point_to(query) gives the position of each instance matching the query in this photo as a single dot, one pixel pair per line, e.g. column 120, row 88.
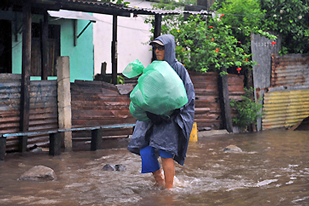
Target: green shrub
column 247, row 110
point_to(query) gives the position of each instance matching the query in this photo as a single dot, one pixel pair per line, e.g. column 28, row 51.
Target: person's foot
column 159, row 178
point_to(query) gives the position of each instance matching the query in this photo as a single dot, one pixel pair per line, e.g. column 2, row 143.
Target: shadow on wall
column 303, row 125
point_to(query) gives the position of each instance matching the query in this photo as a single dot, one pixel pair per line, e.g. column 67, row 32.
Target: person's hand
column 157, row 119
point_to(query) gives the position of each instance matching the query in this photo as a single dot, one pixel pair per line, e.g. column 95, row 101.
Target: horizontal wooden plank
column 77, row 139
column 36, row 83
column 44, row 122
column 6, row 125
column 78, row 122
column 9, row 77
column 98, row 97
column 9, row 84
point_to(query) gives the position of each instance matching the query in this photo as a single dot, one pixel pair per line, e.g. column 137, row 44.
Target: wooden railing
column 55, row 137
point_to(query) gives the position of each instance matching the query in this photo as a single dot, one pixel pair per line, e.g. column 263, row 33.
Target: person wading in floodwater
column 167, row 137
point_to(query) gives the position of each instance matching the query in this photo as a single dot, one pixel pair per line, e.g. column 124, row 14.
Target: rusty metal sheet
column 96, row 103
column 43, row 109
column 284, row 108
column 290, row 70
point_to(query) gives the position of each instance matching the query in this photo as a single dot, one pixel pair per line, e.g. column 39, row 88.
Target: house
column 36, row 32
column 66, row 37
column 133, row 39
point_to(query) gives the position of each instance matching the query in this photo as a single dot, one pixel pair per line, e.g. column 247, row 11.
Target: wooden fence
column 207, row 102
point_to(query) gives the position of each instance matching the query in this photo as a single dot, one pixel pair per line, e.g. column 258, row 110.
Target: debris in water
column 109, row 167
column 120, row 167
column 266, row 182
column 233, row 149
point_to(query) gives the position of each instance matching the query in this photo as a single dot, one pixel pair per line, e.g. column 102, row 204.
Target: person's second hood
column 169, row 46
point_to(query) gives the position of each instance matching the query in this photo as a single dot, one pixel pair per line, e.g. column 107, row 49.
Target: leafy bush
column 208, row 44
column 290, row 19
column 247, row 110
column 244, row 17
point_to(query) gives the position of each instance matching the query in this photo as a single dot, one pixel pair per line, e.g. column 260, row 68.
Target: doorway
column 5, row 46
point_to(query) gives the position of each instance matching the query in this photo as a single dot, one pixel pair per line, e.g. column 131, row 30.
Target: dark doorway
column 5, row 47
column 53, row 49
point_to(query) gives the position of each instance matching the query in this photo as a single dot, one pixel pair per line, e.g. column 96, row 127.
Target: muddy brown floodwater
column 272, row 170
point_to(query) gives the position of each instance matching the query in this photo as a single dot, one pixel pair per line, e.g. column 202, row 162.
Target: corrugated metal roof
column 285, row 108
column 120, row 9
column 97, row 7
column 65, row 14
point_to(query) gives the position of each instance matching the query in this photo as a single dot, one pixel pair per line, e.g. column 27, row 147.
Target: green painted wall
column 81, row 56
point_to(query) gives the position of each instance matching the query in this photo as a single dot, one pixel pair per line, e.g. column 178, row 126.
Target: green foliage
column 247, row 110
column 208, row 45
column 244, row 17
column 168, row 20
column 120, row 80
column 290, row 19
column 125, row 3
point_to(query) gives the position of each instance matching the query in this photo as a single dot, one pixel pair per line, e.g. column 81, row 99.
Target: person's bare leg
column 159, row 178
column 169, row 172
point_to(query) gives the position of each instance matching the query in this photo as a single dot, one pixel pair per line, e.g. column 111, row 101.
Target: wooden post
column 44, row 40
column 248, row 85
column 225, row 101
column 55, row 144
column 157, row 31
column 114, row 51
column 64, row 99
column 26, row 70
column 2, row 147
column 96, row 139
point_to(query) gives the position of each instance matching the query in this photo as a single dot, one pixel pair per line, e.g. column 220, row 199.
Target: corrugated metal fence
column 42, row 114
column 290, row 70
column 287, row 101
column 97, row 103
column 285, row 108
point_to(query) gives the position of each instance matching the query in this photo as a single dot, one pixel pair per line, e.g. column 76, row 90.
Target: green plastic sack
column 133, row 69
column 159, row 89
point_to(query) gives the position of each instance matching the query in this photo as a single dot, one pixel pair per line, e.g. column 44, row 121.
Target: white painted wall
column 133, row 39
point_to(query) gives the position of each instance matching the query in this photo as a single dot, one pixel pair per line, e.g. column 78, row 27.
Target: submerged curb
column 203, row 134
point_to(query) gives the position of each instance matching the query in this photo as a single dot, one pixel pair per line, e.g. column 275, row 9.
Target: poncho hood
column 169, row 45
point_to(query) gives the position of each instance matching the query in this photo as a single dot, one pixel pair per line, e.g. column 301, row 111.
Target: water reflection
column 272, row 170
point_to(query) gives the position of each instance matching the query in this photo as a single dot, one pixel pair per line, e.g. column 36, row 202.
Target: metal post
column 55, row 144
column 114, row 50
column 96, row 139
column 2, row 147
column 157, row 31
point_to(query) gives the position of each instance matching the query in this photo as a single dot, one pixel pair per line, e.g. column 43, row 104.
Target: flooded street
column 272, row 170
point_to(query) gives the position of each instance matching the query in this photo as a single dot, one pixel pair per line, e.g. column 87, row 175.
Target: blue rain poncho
column 172, row 136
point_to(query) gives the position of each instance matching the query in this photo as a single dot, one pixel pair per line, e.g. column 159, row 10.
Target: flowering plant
column 208, row 45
